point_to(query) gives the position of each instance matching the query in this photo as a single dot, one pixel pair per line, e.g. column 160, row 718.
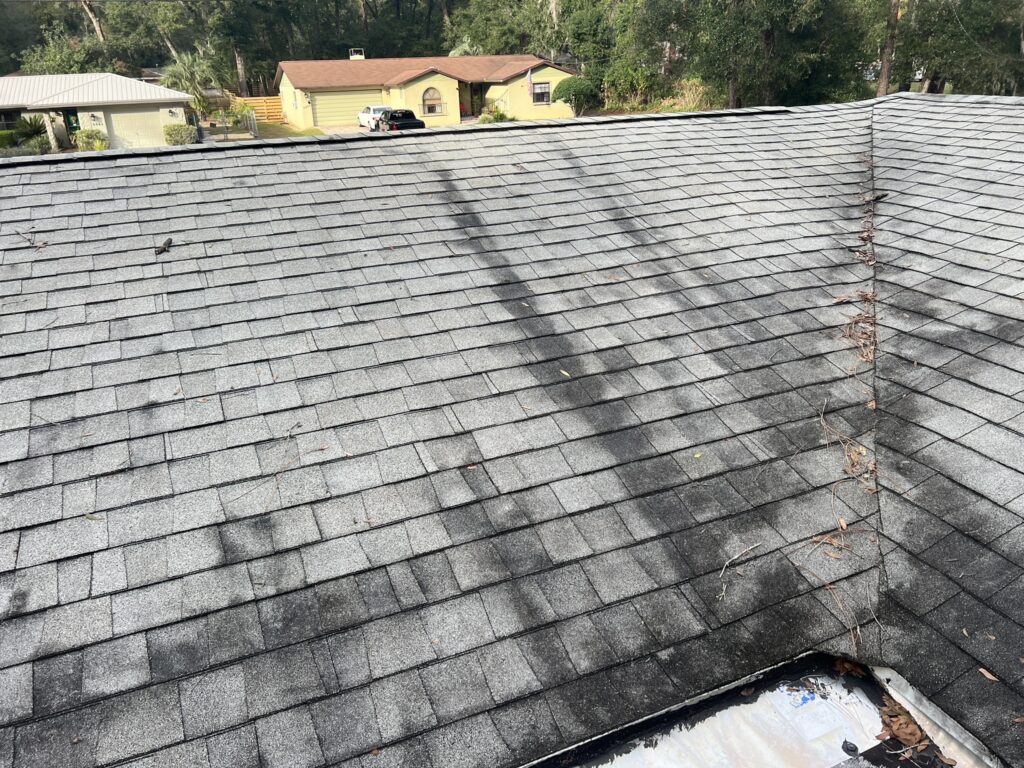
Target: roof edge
column 338, row 138
column 35, row 160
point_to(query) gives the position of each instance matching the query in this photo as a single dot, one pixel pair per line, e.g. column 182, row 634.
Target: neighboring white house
column 132, row 113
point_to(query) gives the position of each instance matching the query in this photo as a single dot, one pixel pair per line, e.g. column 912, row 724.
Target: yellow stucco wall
column 295, row 105
column 514, row 99
column 410, row 96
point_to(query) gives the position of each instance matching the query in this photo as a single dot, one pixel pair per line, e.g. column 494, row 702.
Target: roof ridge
column 75, row 87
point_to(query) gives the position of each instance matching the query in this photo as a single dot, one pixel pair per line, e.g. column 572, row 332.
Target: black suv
column 398, row 120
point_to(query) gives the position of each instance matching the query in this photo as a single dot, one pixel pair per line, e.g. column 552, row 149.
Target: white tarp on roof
column 792, row 724
column 56, row 91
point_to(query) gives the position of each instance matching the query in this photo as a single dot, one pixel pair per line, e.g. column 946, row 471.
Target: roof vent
column 355, row 54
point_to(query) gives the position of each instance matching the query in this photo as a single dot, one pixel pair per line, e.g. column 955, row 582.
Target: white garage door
column 342, row 107
column 135, row 127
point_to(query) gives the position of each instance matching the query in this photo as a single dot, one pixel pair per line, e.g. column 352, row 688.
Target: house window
column 8, row 119
column 432, row 103
column 542, row 93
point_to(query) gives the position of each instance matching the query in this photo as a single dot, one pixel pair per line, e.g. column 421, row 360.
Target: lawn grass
column 281, row 131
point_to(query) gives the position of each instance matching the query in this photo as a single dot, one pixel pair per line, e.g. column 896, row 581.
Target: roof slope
column 361, row 73
column 40, row 91
column 473, row 467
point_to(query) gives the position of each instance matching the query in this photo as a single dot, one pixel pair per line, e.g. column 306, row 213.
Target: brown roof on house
column 346, row 73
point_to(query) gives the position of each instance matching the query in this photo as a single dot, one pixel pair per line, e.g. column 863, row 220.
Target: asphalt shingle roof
column 326, row 74
column 457, row 449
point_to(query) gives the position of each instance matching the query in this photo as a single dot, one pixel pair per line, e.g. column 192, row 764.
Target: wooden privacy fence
column 266, row 108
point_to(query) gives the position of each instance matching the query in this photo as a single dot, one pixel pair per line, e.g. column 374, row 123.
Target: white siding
column 140, row 126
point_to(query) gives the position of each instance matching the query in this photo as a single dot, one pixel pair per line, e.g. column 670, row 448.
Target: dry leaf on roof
column 847, row 667
column 988, row 675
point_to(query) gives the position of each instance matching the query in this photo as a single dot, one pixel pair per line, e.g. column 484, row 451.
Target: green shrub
column 8, row 139
column 181, row 134
column 21, row 151
column 579, row 93
column 26, row 128
column 40, row 145
column 239, row 109
column 91, row 140
column 496, row 116
column 37, row 145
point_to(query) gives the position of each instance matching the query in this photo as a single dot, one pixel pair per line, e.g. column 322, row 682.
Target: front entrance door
column 476, row 98
column 71, row 120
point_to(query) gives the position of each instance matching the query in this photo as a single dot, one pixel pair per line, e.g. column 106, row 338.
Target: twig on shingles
column 852, row 627
column 840, row 522
column 853, row 452
column 860, row 329
column 31, row 240
column 272, row 478
column 714, row 400
column 734, row 558
column 881, row 629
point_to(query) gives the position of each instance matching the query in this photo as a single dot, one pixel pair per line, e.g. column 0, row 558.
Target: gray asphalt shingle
column 452, row 481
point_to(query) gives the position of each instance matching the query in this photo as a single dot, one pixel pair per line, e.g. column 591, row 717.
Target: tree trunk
column 363, row 15
column 1022, row 29
column 446, row 13
column 170, row 45
column 93, row 18
column 50, row 132
column 734, row 101
column 553, row 5
column 768, row 48
column 243, row 86
column 398, row 9
column 889, row 48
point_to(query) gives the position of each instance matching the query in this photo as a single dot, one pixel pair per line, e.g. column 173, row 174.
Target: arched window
column 432, row 103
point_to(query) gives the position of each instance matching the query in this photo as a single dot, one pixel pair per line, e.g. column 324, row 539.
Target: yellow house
column 441, row 90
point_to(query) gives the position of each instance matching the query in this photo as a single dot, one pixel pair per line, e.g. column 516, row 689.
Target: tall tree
column 777, row 51
column 974, row 45
column 94, row 19
column 193, row 73
column 504, row 26
column 888, row 48
column 20, row 30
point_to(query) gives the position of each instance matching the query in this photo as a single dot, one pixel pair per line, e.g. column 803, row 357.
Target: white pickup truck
column 370, row 115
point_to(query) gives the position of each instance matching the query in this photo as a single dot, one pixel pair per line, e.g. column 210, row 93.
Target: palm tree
column 193, row 73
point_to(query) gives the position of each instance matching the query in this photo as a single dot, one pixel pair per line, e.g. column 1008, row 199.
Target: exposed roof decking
column 327, row 466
